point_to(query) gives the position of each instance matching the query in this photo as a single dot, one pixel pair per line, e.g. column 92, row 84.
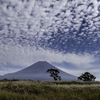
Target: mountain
column 37, row 71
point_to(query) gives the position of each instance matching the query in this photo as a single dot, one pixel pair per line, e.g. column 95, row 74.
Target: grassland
column 38, row 90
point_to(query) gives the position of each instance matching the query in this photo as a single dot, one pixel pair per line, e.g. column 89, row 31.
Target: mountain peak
column 42, row 62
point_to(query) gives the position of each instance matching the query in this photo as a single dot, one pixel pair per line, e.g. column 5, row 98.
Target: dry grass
column 38, row 90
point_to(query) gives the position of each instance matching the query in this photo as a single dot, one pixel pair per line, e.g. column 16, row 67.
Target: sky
column 65, row 33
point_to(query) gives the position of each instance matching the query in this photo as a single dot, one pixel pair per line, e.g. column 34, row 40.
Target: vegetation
column 87, row 77
column 38, row 90
column 54, row 73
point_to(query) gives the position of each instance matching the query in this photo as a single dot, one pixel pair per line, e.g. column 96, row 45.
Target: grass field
column 38, row 90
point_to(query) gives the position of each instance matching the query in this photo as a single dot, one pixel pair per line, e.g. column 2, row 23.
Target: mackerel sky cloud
column 64, row 31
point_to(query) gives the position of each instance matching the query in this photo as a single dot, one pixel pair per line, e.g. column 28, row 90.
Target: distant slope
column 37, row 71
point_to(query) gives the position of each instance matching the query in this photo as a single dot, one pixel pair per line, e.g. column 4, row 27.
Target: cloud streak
column 25, row 56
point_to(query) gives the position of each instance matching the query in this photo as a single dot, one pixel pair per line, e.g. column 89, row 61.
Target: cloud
column 27, row 55
column 32, row 16
column 8, row 70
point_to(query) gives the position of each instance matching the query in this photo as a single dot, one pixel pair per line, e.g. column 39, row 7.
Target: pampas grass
column 45, row 90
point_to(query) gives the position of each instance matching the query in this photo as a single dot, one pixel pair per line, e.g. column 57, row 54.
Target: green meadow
column 45, row 90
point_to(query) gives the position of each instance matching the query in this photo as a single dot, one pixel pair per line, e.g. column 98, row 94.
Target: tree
column 87, row 77
column 54, row 73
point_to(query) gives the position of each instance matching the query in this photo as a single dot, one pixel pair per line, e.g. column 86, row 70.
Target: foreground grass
column 36, row 90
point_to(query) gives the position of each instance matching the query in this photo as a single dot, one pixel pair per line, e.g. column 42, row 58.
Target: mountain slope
column 37, row 71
